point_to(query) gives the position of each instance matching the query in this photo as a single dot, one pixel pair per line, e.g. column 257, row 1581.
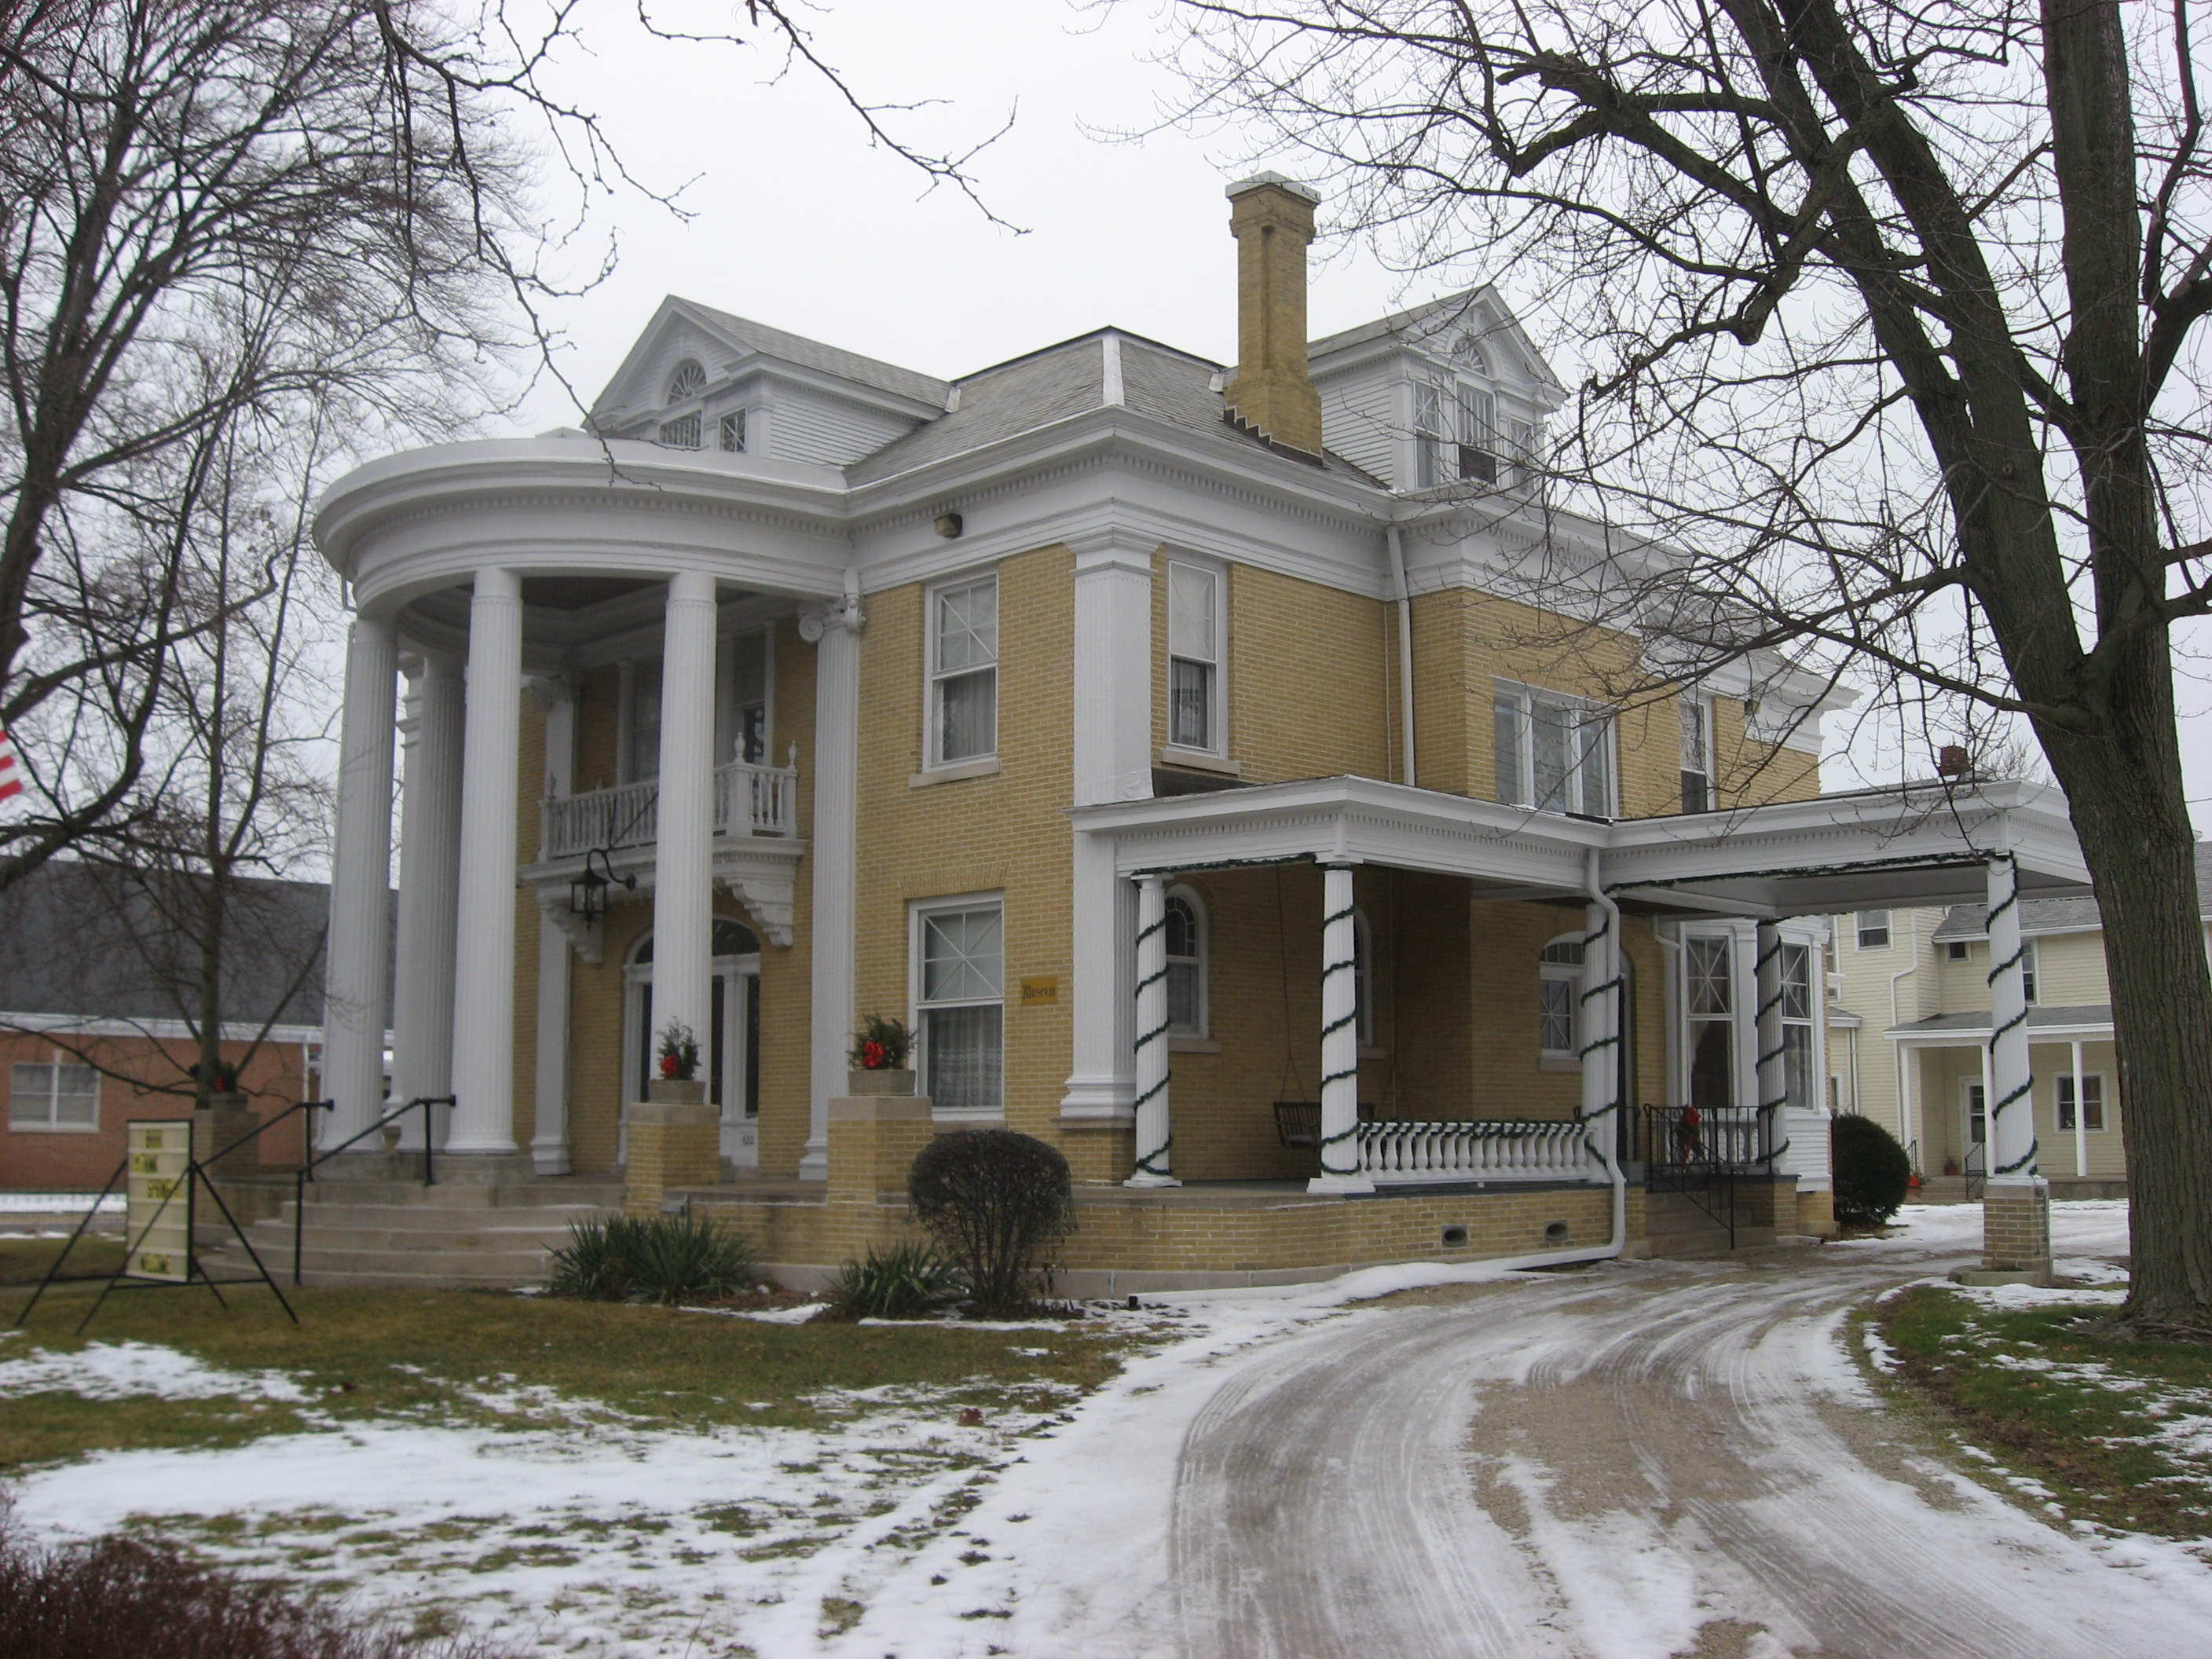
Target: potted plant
column 678, row 1083
column 878, row 1058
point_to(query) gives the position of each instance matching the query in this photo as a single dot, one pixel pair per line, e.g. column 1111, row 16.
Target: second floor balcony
column 750, row 800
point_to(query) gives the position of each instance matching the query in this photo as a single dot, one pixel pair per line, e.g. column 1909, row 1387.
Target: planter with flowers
column 677, row 1081
column 879, row 1058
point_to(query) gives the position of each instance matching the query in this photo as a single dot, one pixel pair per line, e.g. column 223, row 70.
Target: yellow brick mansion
column 1213, row 765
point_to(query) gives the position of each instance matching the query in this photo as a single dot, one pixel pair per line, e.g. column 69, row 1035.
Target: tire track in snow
column 1598, row 1465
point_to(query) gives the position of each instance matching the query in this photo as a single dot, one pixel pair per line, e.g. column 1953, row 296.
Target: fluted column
column 835, row 630
column 483, row 959
column 429, row 881
column 1340, row 1171
column 355, row 974
column 548, row 1139
column 683, row 870
column 1155, row 1127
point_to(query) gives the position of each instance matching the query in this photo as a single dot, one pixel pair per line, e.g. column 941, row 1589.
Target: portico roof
column 1923, row 844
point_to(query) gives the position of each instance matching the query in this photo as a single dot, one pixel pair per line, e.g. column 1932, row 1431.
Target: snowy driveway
column 1644, row 1460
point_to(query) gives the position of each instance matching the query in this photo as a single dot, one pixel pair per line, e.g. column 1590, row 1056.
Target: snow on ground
column 117, row 1371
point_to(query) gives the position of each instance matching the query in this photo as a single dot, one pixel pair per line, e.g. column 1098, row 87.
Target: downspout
column 1405, row 648
column 1904, row 1129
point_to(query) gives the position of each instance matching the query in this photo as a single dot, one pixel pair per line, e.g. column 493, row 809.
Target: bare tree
column 1891, row 318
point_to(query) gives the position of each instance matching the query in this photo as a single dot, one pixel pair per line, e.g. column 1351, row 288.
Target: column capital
column 845, row 613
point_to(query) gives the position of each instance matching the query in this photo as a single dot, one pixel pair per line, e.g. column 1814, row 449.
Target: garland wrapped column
column 1773, row 1073
column 1598, row 1027
column 1341, row 1170
column 2016, row 1204
column 1155, row 1135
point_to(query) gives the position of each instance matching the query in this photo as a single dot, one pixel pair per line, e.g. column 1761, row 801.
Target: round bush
column 993, row 1199
column 1871, row 1171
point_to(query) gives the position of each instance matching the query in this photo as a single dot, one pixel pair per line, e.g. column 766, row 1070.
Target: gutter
column 1404, row 647
column 1898, row 1050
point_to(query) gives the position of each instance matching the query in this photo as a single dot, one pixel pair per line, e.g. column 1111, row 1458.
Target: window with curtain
column 1554, row 752
column 1194, row 657
column 1874, row 930
column 963, row 671
column 960, row 998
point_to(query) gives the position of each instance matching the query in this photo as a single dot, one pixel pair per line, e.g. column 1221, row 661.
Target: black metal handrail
column 1701, row 1152
column 307, row 1171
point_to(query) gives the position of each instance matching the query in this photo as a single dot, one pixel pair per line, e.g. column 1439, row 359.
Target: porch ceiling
column 1920, row 844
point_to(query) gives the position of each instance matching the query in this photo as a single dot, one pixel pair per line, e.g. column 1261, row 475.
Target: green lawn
column 498, row 1358
column 25, row 1261
column 2089, row 1418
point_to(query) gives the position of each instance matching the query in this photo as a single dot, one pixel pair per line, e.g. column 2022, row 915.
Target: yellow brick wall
column 786, row 1022
column 530, row 787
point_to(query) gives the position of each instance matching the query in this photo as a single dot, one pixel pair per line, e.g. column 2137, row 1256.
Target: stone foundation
column 2016, row 1229
column 1816, row 1214
column 670, row 1145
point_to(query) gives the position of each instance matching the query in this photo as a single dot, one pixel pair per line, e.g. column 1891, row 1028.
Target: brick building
column 1216, row 766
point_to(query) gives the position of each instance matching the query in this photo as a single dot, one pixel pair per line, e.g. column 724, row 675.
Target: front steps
column 404, row 1234
column 1678, row 1230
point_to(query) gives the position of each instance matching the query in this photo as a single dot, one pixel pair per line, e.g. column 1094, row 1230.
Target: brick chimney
column 1273, row 219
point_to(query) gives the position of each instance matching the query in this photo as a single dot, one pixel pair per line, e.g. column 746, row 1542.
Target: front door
column 730, row 1057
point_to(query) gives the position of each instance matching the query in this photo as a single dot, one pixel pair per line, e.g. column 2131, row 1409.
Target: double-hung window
column 2028, row 970
column 1478, row 435
column 2093, row 1102
column 960, row 995
column 640, row 732
column 1712, row 1012
column 1431, row 433
column 1554, row 753
column 55, row 1096
column 1874, row 930
column 964, row 672
column 1558, row 988
column 1697, row 753
column 1195, row 658
column 748, row 684
column 1798, row 1024
column 1186, row 943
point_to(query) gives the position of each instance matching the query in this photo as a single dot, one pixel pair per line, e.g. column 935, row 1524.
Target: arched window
column 1467, row 353
column 1560, row 991
column 688, row 381
column 1186, row 937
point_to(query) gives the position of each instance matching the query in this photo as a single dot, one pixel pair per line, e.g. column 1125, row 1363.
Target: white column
column 1597, row 1031
column 429, row 880
column 2011, row 1097
column 1102, row 1087
column 484, row 957
column 1341, row 1170
column 836, row 628
column 683, row 868
column 548, row 1142
column 1772, row 1076
column 358, row 953
column 1155, row 1128
column 2081, row 1116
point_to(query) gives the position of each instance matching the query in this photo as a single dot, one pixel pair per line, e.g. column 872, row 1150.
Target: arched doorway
column 730, row 1045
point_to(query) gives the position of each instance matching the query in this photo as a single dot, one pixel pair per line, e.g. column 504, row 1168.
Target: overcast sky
column 797, row 222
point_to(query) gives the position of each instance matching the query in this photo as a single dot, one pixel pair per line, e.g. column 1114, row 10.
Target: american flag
column 11, row 780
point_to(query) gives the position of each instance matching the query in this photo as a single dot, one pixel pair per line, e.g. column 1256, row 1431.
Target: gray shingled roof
column 1010, row 398
column 79, row 944
column 2064, row 915
column 1973, row 1021
column 812, row 354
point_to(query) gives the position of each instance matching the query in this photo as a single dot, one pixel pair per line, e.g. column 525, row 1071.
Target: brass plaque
column 1039, row 993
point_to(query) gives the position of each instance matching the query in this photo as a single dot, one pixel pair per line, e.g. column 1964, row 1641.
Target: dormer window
column 1478, row 435
column 731, row 430
column 681, row 432
column 688, row 381
column 1455, row 435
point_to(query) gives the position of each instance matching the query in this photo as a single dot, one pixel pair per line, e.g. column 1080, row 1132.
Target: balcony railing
column 1411, row 1151
column 748, row 800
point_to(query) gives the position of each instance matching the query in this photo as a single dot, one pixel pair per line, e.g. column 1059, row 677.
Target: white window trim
column 50, row 1126
column 1217, row 713
column 2031, row 977
column 918, row 910
column 2065, row 1080
column 935, row 767
column 1702, row 702
column 1859, row 930
column 1202, row 1030
column 635, row 1037
column 1571, row 974
column 1524, row 786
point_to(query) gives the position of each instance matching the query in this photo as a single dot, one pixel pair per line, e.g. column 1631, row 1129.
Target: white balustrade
column 1414, row 1152
column 748, row 800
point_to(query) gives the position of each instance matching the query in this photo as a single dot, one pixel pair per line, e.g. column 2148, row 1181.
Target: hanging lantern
column 587, row 894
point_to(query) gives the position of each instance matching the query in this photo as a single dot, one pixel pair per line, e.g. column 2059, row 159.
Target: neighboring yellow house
column 1909, row 1029
column 1212, row 765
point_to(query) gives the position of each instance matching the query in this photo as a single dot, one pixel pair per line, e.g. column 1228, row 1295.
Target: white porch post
column 429, row 879
column 1113, row 734
column 549, row 1141
column 1341, row 1170
column 2081, row 1116
column 484, row 957
column 1155, row 1130
column 683, row 868
column 2016, row 1204
column 1598, row 1033
column 1772, row 1075
column 361, row 874
column 836, row 628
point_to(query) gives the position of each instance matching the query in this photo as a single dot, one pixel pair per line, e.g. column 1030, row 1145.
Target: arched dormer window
column 1186, row 941
column 688, row 381
column 1467, row 353
column 1559, row 990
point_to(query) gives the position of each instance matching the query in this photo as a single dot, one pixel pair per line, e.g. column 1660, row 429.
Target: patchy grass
column 2120, row 1432
column 26, row 1260
column 508, row 1361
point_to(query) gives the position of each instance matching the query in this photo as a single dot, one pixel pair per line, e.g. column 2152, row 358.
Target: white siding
column 829, row 431
column 1358, row 418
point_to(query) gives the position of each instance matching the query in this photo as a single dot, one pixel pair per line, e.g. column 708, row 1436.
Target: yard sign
column 158, row 1208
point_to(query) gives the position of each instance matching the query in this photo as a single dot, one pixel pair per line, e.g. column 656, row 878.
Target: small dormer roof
column 1439, row 325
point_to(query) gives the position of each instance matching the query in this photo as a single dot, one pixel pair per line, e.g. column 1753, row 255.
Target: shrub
column 1871, row 1170
column 993, row 1199
column 122, row 1598
column 666, row 1259
column 905, row 1281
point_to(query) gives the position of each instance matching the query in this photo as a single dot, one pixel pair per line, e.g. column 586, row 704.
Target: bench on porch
column 1297, row 1122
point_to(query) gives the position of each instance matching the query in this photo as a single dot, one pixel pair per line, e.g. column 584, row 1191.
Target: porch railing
column 1411, row 1151
column 748, row 800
